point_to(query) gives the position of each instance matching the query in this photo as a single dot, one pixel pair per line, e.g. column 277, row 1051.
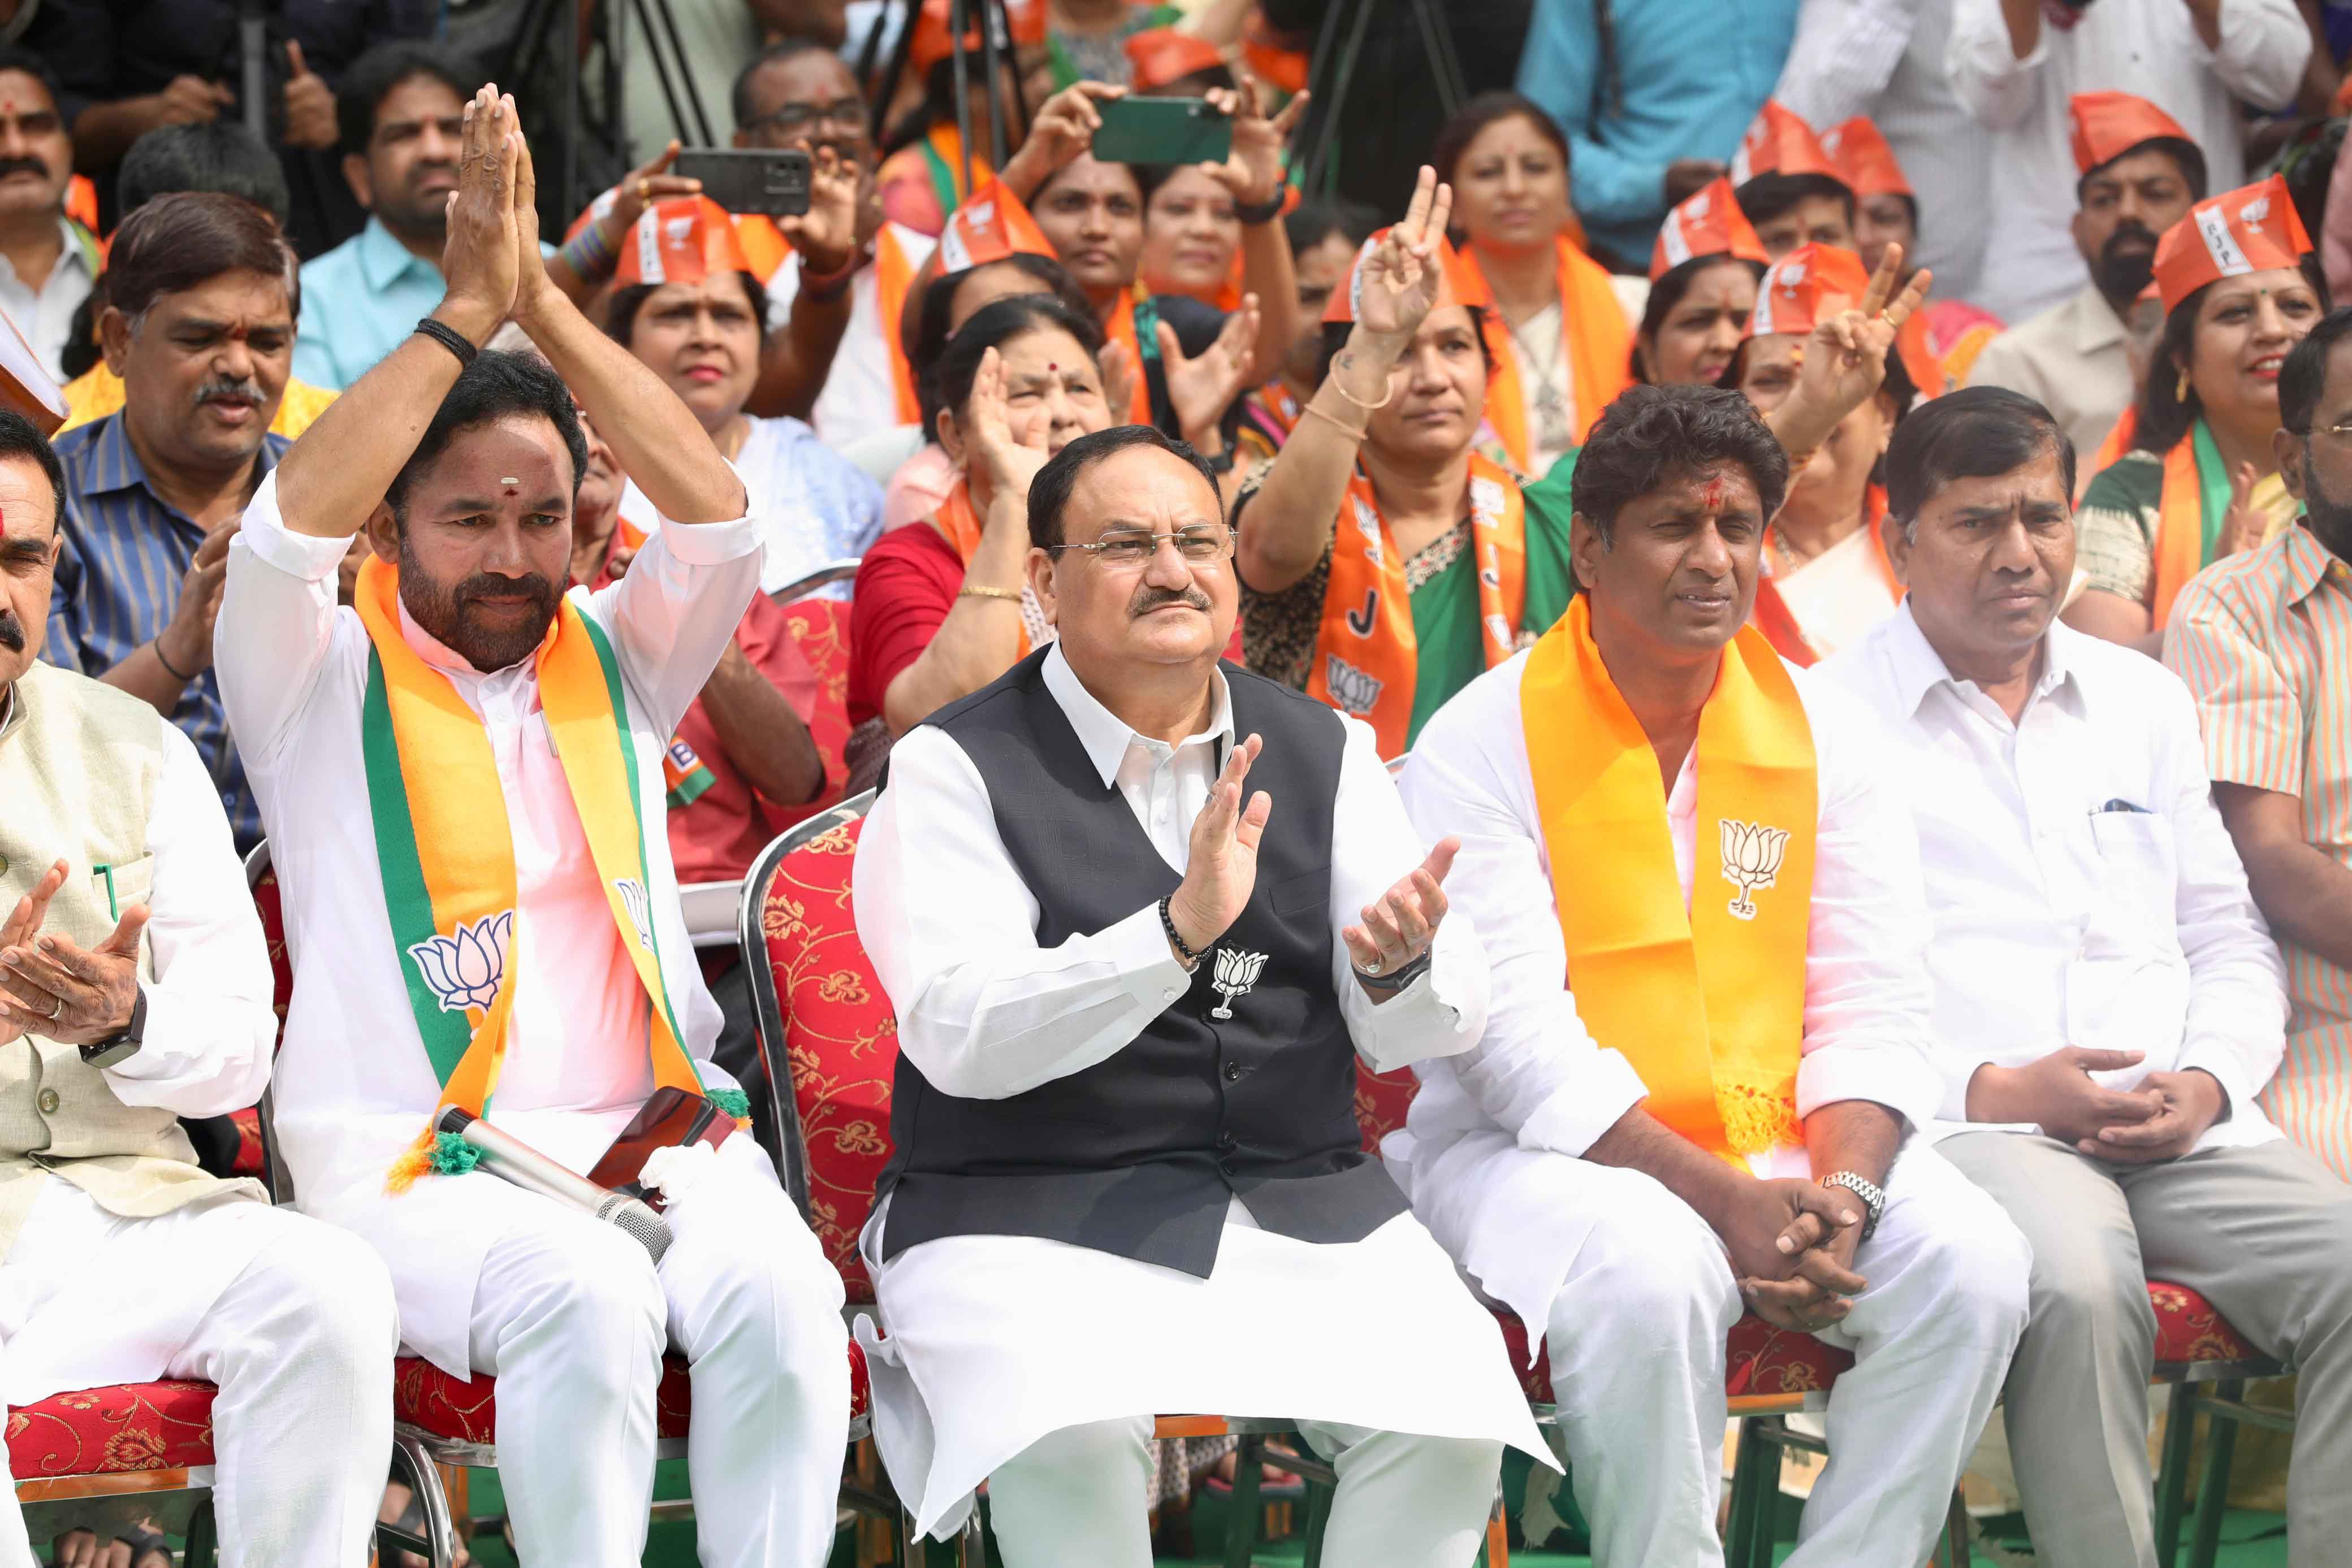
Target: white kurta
column 1540, row 1076
column 353, row 1084
column 1839, row 594
column 2083, row 888
column 860, row 395
column 996, row 1341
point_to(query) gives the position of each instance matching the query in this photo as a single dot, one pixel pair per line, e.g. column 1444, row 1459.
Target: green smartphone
column 1163, row 131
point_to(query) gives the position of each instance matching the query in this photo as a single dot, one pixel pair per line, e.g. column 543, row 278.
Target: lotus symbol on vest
column 465, row 967
column 1236, row 972
column 1751, row 861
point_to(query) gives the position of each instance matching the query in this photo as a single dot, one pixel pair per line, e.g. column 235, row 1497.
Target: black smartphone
column 1161, row 130
column 671, row 1118
column 749, row 179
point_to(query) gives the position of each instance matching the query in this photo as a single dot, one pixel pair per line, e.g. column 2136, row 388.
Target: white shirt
column 986, row 1013
column 45, row 319
column 1537, row 1073
column 1885, row 58
column 2072, row 359
column 2059, row 918
column 861, row 393
column 354, row 1081
column 2149, row 48
column 206, row 1049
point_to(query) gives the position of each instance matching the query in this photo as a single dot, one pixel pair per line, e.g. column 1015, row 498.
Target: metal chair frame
column 825, row 576
column 2226, row 1410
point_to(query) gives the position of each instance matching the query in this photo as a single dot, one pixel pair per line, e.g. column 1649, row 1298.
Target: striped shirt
column 126, row 553
column 2264, row 640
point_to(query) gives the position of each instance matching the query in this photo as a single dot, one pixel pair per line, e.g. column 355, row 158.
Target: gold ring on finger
column 644, row 190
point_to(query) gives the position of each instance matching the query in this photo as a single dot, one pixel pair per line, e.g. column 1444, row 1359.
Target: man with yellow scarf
column 461, row 778
column 1717, row 1107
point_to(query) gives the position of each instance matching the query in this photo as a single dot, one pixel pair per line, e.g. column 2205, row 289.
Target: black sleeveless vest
column 1141, row 1153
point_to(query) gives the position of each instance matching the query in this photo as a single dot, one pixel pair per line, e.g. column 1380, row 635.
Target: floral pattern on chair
column 162, row 1426
column 840, row 1036
column 1381, row 1100
column 1759, row 1359
column 2188, row 1327
column 820, row 628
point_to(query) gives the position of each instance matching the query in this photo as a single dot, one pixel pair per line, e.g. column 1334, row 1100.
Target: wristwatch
column 1873, row 1196
column 121, row 1047
column 1264, row 212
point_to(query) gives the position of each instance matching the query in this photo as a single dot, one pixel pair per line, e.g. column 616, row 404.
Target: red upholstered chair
column 111, row 1456
column 2197, row 1351
column 438, row 1420
column 821, row 632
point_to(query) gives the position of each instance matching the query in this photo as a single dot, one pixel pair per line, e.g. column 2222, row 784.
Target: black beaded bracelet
column 1183, row 949
column 449, row 337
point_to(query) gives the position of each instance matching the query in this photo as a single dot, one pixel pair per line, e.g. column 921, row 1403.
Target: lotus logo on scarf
column 1236, row 972
column 1356, row 691
column 1368, row 522
column 2252, row 214
column 640, row 908
column 1751, row 861
column 465, row 967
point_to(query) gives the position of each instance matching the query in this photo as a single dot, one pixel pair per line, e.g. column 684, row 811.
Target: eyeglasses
column 1133, row 549
column 792, row 118
column 2341, row 432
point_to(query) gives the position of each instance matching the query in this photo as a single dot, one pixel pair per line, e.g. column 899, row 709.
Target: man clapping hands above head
column 501, row 742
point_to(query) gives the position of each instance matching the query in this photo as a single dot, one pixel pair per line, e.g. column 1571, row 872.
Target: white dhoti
column 996, row 1343
column 571, row 1317
column 292, row 1320
column 1634, row 1297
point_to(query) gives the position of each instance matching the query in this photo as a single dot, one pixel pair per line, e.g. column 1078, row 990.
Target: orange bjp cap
column 1163, row 54
column 1806, row 287
column 1780, row 143
column 2106, row 125
column 1865, row 162
column 683, row 240
column 933, row 43
column 1706, row 223
column 2254, row 228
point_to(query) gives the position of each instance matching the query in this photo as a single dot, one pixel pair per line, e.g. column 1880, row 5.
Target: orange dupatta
column 1366, row 652
column 1599, row 341
column 2179, row 530
column 1773, row 615
column 961, row 525
column 1120, row 328
column 1705, row 996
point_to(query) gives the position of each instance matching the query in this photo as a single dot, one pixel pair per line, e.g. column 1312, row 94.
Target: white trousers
column 301, row 1342
column 1080, row 1495
column 573, row 1319
column 1636, row 1338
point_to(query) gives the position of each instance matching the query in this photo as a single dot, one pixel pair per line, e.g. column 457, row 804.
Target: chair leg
column 2213, row 1492
column 1952, row 1552
column 972, row 1543
column 1755, row 1478
column 204, row 1537
column 1498, row 1532
column 2172, row 1475
column 1241, row 1524
column 412, row 1465
column 1318, row 1521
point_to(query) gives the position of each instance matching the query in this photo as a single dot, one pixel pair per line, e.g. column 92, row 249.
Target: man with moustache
column 199, row 324
column 1716, row 1109
column 48, row 262
column 134, row 989
column 2139, row 174
column 398, row 116
column 2264, row 641
column 462, row 777
column 2108, row 1006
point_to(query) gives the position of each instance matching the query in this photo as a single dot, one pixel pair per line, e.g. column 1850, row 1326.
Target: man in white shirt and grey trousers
column 2108, row 1001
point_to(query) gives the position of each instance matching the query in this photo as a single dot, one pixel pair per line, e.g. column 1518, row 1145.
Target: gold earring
column 2181, row 391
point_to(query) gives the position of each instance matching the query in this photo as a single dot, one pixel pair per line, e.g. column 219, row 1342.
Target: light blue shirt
column 359, row 301
column 1690, row 75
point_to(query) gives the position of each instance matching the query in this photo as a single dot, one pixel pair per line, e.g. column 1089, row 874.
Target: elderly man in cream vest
column 134, row 989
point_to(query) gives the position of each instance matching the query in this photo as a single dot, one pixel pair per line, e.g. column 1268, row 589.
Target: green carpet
column 2248, row 1540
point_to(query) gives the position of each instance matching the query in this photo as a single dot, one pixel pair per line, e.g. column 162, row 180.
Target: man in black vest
column 1139, row 913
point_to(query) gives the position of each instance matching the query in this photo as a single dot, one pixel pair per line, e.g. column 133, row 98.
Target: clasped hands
column 2160, row 1120
column 1396, row 929
column 491, row 261
column 54, row 986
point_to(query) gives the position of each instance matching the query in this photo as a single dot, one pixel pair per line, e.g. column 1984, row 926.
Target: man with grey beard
column 201, row 298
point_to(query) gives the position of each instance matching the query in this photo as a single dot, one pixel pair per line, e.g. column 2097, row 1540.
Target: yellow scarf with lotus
column 446, row 853
column 1706, row 1001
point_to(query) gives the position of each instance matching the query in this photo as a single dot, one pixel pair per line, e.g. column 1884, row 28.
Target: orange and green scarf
column 1707, row 1000
column 447, row 854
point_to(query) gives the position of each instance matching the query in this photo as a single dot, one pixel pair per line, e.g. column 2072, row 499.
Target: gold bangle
column 1360, row 402
column 1354, row 433
column 973, row 591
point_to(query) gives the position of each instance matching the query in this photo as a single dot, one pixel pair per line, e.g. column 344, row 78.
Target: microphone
column 517, row 1162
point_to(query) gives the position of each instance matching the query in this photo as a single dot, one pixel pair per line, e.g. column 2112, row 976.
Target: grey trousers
column 2264, row 1233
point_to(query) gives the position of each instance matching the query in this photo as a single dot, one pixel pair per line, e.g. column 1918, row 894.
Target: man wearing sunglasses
column 1139, row 913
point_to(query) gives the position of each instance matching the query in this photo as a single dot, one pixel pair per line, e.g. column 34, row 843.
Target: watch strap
column 1264, row 212
column 122, row 1046
column 1873, row 1196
